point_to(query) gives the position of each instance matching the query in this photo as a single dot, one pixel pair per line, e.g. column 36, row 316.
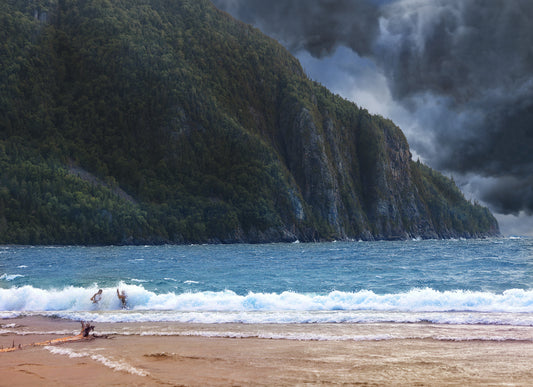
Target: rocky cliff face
column 357, row 176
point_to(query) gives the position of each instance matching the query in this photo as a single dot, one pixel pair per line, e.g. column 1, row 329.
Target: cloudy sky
column 455, row 75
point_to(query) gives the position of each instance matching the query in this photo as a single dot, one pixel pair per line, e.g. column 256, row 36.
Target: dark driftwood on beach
column 84, row 334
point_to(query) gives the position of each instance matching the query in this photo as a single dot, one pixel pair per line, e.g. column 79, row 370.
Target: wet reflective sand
column 237, row 354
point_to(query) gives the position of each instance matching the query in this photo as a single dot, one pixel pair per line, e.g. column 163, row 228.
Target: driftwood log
column 86, row 329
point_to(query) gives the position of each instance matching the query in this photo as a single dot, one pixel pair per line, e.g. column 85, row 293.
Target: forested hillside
column 167, row 121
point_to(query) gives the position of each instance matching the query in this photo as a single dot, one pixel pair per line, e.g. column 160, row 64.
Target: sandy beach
column 138, row 357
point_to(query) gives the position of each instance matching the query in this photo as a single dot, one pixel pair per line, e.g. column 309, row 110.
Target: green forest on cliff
column 167, row 121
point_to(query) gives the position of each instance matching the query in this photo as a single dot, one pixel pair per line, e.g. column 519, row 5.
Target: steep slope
column 168, row 121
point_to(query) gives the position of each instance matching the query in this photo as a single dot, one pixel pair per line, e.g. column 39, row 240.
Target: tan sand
column 136, row 360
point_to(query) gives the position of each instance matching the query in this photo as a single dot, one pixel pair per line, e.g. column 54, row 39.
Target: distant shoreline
column 245, row 242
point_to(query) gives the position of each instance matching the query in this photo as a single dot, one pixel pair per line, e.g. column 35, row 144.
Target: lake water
column 485, row 282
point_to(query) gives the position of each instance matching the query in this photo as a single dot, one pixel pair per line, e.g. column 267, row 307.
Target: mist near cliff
column 456, row 75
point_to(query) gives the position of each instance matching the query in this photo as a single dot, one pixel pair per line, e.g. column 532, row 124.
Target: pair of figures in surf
column 98, row 296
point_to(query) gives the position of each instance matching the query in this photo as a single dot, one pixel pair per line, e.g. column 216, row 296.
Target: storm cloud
column 462, row 69
column 316, row 26
column 475, row 59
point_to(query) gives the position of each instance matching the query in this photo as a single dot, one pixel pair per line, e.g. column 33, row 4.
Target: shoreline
column 193, row 354
column 354, row 239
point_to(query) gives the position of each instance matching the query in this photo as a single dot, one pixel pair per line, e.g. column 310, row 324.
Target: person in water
column 122, row 297
column 97, row 297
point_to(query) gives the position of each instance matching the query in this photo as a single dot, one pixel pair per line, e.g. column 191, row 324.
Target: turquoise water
column 486, row 281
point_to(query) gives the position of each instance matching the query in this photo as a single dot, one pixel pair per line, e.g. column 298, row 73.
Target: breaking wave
column 458, row 306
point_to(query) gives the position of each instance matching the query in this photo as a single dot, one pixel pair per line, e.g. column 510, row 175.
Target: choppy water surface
column 450, row 282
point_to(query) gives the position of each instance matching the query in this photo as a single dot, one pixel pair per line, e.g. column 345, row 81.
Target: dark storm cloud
column 460, row 48
column 474, row 59
column 509, row 194
column 316, row 26
column 462, row 68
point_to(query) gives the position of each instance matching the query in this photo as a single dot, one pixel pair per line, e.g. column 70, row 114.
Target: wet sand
column 195, row 360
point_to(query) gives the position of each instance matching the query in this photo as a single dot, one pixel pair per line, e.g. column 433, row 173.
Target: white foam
column 70, row 298
column 113, row 364
column 272, row 335
column 289, row 317
column 10, row 277
column 481, row 338
column 514, row 306
column 119, row 365
column 299, row 336
column 65, row 351
column 29, row 332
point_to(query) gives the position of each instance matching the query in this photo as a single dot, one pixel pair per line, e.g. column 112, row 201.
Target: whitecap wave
column 223, row 306
column 10, row 277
